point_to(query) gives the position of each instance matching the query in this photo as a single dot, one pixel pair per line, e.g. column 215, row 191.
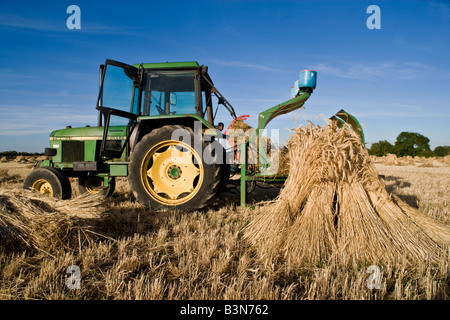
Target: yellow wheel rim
column 172, row 172
column 43, row 186
column 93, row 185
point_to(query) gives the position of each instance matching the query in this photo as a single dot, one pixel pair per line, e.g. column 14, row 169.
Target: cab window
column 170, row 93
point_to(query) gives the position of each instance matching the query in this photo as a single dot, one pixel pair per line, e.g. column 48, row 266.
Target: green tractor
column 156, row 126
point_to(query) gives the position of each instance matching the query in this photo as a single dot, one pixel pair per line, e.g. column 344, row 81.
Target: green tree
column 442, row 151
column 411, row 144
column 381, row 148
column 427, row 153
column 9, row 153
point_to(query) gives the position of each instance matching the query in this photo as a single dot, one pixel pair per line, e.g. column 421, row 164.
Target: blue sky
column 393, row 79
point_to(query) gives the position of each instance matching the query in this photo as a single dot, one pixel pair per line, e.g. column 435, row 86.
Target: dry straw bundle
column 6, row 177
column 391, row 160
column 446, row 161
column 428, row 163
column 334, row 207
column 35, row 221
column 19, row 159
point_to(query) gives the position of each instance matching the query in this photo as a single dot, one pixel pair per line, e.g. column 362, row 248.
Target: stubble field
column 126, row 252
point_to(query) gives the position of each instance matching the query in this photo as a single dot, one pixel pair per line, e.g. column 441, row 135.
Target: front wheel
column 166, row 173
column 49, row 181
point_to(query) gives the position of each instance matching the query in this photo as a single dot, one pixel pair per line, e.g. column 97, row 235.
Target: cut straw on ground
column 32, row 220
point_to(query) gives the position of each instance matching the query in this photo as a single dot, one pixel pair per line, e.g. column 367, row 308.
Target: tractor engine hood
column 88, row 133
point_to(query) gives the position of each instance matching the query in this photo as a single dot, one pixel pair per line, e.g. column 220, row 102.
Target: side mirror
column 173, row 98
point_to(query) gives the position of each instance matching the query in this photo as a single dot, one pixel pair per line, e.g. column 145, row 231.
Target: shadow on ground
column 395, row 184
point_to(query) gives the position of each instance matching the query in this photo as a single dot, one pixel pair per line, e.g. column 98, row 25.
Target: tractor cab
column 152, row 93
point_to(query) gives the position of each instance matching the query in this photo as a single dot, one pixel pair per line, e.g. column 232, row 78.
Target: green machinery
column 156, row 126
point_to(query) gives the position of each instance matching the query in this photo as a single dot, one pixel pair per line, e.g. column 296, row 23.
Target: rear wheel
column 96, row 185
column 166, row 173
column 49, row 181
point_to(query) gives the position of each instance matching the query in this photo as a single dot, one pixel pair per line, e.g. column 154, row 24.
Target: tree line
column 408, row 144
column 15, row 154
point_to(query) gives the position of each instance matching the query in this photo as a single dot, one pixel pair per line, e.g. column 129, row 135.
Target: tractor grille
column 72, row 151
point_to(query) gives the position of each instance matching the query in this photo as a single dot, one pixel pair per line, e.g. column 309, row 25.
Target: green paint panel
column 88, row 132
column 56, row 145
column 165, row 65
column 45, row 163
column 288, row 106
column 90, row 149
column 119, row 170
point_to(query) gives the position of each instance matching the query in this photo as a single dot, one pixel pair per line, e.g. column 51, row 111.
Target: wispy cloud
column 407, row 107
column 246, row 65
column 379, row 109
column 375, row 71
column 18, row 22
column 441, row 9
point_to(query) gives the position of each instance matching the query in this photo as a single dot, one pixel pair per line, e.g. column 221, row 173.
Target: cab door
column 119, row 103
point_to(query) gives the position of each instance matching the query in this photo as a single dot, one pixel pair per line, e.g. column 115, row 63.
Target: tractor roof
column 169, row 65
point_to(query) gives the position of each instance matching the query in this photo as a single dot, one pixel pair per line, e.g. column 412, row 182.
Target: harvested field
column 393, row 160
column 424, row 188
column 126, row 252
